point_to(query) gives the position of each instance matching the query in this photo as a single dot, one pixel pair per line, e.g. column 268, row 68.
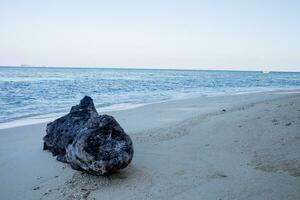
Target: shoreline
column 44, row 118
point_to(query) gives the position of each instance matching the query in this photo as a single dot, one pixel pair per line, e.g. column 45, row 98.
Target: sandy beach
column 214, row 148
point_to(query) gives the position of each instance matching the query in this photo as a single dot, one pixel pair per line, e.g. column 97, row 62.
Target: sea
column 41, row 92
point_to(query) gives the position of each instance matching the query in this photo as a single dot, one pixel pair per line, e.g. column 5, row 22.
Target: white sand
column 186, row 149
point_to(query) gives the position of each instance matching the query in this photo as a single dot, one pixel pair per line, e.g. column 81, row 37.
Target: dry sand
column 184, row 149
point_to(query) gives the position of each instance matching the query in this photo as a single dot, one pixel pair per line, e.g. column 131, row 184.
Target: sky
column 186, row 34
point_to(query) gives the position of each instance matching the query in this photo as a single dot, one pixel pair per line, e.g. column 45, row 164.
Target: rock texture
column 88, row 141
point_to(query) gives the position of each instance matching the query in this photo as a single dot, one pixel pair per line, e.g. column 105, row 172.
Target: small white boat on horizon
column 265, row 72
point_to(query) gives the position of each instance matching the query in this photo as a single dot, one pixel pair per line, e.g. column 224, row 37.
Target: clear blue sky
column 243, row 35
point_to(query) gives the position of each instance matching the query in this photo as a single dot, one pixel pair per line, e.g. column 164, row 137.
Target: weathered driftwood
column 88, row 141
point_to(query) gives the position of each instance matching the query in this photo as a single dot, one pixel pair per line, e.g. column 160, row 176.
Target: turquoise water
column 28, row 92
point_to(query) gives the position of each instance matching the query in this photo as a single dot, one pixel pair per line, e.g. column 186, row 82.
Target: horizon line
column 135, row 68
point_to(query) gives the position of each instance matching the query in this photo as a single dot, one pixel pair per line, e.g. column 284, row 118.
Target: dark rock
column 288, row 124
column 88, row 141
column 221, row 175
column 36, row 188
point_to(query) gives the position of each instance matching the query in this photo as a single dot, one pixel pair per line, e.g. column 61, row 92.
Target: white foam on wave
column 125, row 106
column 50, row 117
column 29, row 121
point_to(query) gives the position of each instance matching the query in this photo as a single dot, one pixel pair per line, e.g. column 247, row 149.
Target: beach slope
column 230, row 147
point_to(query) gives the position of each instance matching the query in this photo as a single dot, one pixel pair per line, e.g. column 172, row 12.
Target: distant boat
column 25, row 65
column 265, row 72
